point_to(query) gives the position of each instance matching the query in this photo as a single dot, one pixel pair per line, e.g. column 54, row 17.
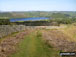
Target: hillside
column 38, row 42
column 36, row 14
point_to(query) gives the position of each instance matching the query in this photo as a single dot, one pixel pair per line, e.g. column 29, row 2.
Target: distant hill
column 25, row 14
column 60, row 15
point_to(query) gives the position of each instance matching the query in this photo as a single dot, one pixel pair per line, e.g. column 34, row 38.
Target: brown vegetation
column 59, row 40
column 8, row 45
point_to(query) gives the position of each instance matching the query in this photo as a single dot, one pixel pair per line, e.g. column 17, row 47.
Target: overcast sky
column 37, row 5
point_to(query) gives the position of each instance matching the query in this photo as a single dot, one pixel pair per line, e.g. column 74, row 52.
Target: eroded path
column 33, row 46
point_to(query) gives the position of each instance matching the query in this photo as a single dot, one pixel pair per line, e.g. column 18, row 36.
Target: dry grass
column 33, row 46
column 70, row 31
column 59, row 40
column 8, row 45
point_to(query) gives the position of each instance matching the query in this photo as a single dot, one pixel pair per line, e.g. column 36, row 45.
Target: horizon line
column 32, row 11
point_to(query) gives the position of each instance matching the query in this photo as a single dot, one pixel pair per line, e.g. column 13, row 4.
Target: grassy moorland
column 40, row 43
column 47, row 43
column 34, row 46
column 70, row 31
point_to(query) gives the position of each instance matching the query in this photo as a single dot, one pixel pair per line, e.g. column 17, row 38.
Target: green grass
column 33, row 46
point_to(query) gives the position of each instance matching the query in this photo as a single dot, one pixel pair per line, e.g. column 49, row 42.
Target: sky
column 37, row 5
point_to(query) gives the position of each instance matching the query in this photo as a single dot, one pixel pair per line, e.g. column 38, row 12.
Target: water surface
column 28, row 19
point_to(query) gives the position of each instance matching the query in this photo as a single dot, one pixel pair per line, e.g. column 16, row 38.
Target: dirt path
column 33, row 46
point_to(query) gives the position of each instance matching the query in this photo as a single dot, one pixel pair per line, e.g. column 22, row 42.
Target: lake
column 28, row 19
